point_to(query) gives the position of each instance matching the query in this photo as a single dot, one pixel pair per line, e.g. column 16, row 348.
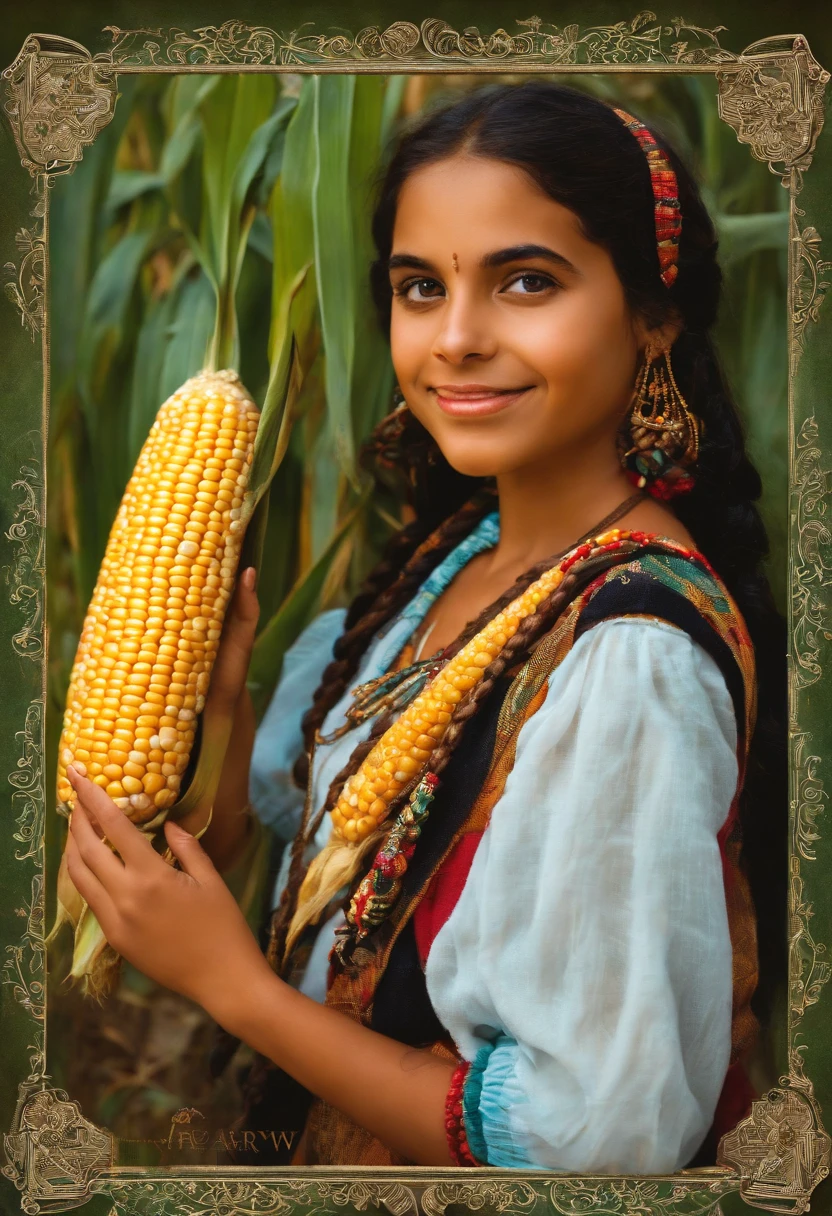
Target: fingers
column 189, row 853
column 95, row 854
column 133, row 846
column 239, row 630
column 87, row 885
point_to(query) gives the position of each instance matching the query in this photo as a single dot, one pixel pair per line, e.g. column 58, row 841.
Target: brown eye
column 420, row 289
column 530, row 284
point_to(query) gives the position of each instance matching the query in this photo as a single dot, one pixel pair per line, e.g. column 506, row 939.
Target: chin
column 470, row 466
column 477, row 459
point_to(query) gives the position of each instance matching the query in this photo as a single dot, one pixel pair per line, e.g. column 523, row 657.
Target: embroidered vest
column 383, row 986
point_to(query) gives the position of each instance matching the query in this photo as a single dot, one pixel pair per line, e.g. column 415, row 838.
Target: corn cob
column 151, row 632
column 406, row 746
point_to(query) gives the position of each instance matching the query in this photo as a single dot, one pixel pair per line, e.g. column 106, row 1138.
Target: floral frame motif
column 58, row 96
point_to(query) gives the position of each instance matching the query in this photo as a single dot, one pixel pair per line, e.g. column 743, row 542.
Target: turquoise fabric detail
column 489, row 1095
column 278, row 739
column 484, row 536
column 471, row 1094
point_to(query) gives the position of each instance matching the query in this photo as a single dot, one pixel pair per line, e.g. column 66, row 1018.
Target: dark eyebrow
column 519, row 253
column 408, row 259
column 500, row 257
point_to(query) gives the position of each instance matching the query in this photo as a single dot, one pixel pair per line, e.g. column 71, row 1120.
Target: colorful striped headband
column 666, row 193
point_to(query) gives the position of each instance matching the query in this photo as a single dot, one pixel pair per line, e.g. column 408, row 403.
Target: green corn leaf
column 231, row 114
column 105, row 318
column 185, row 96
column 181, row 161
column 282, row 392
column 373, row 378
column 151, row 345
column 742, row 235
column 75, row 253
column 189, row 334
column 162, row 321
column 128, row 184
column 290, row 210
column 325, row 487
column 290, row 619
column 260, row 237
column 180, row 146
column 335, row 255
column 263, row 156
column 393, row 97
column 235, row 143
column 273, row 160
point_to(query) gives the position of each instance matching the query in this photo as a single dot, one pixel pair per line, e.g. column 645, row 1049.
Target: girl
column 515, row 927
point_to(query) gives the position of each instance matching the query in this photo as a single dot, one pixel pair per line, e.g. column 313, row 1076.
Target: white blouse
column 585, row 969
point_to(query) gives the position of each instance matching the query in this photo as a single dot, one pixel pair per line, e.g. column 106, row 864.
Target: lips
column 475, row 400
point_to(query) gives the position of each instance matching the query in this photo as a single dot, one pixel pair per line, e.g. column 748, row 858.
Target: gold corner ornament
column 58, row 99
column 780, row 1150
column 772, row 97
column 53, row 1153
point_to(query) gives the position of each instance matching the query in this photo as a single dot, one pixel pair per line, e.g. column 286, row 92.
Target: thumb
column 190, row 854
column 230, row 668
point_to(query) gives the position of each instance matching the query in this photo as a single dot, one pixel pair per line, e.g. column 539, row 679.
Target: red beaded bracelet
column 454, row 1124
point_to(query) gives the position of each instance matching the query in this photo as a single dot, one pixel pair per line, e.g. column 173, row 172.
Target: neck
column 546, row 508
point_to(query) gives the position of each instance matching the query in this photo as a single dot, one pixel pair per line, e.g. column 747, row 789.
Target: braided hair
column 578, row 151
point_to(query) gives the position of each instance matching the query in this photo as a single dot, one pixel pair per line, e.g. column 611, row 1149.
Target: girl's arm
column 396, row 1092
column 183, row 929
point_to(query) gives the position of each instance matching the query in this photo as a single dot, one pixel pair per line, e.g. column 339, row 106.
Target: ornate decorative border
column 59, row 97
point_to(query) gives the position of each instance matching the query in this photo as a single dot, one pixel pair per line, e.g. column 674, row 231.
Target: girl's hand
column 181, row 928
column 228, row 694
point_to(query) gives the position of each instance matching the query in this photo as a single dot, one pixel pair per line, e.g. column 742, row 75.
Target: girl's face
column 510, row 335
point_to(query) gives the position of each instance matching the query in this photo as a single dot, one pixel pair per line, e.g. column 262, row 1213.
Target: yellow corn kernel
column 133, row 694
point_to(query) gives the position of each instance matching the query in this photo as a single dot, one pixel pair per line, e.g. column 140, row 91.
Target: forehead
column 476, row 202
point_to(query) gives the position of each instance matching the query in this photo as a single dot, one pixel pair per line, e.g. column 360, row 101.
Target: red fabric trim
column 442, row 893
column 734, row 1102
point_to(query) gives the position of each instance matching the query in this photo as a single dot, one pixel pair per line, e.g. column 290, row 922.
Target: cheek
column 581, row 348
column 406, row 347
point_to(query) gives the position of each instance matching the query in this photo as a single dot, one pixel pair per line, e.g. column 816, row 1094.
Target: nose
column 463, row 331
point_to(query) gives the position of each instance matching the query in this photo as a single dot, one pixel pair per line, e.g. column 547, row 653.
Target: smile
column 475, row 400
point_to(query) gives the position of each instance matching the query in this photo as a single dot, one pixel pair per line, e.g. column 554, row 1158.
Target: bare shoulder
column 653, row 516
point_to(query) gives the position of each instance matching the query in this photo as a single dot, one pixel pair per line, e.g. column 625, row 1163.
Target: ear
column 660, row 337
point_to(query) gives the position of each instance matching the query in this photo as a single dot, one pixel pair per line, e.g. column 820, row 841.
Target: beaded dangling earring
column 659, row 442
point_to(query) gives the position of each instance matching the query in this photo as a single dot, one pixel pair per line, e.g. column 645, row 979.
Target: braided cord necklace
column 420, row 635
column 397, row 762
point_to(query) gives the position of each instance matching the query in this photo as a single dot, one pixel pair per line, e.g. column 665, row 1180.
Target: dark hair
column 580, row 153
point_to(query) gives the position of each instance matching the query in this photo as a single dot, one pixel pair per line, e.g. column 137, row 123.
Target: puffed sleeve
column 585, row 970
column 278, row 742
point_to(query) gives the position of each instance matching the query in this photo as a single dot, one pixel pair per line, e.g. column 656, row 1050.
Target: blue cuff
column 488, row 1096
column 471, row 1095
